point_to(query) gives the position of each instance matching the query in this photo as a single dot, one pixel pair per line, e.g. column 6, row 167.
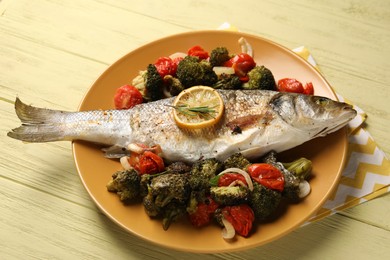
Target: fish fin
column 115, row 151
column 38, row 124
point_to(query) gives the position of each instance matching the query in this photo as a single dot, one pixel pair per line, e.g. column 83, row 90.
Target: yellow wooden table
column 52, row 51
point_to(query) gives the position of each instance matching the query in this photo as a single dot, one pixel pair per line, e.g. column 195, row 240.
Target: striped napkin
column 367, row 170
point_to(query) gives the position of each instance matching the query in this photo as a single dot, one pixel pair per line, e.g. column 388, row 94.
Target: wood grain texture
column 51, row 51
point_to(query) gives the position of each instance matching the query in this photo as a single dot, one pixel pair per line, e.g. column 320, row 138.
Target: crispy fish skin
column 254, row 123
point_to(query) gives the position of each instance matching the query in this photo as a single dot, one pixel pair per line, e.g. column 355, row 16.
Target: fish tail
column 38, row 124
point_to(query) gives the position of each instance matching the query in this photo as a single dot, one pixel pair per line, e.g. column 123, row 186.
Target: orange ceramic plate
column 327, row 154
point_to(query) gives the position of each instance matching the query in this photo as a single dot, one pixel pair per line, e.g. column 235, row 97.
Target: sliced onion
column 135, row 148
column 237, row 182
column 245, row 46
column 219, row 70
column 243, row 173
column 177, row 55
column 228, row 231
column 304, row 189
column 125, row 163
column 166, row 92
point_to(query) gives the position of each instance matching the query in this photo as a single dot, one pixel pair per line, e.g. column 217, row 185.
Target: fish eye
column 322, row 101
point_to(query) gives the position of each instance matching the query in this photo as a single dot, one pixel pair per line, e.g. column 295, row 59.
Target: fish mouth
column 347, row 114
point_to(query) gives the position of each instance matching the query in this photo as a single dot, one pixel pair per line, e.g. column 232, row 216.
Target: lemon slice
column 198, row 107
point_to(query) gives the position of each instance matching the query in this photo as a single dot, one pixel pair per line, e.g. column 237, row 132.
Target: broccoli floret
column 169, row 186
column 202, row 171
column 167, row 197
column 301, row 168
column 153, row 84
column 126, row 184
column 263, row 201
column 233, row 195
column 260, row 78
column 151, row 208
column 191, row 72
column 219, row 56
column 200, row 175
column 172, row 212
column 291, row 182
column 228, row 81
column 178, row 167
column 173, row 85
column 236, row 160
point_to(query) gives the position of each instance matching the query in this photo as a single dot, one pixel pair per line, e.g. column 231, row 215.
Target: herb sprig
column 206, row 112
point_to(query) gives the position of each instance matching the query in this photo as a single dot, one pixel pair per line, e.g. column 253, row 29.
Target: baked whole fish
column 254, row 123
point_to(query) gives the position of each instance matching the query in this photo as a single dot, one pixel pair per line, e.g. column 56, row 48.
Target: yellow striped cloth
column 367, row 170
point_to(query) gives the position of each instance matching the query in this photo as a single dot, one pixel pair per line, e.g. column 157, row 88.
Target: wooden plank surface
column 51, row 51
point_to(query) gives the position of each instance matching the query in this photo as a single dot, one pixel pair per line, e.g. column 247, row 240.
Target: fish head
column 316, row 115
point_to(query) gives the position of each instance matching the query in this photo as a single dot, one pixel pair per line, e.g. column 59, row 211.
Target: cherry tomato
column 308, row 89
column 267, row 175
column 150, row 163
column 166, row 66
column 242, row 64
column 198, row 52
column 127, row 96
column 290, row 85
column 204, row 213
column 241, row 217
column 227, row 178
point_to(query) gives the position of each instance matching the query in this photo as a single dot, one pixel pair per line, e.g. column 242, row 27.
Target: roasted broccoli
column 126, row 184
column 228, row 81
column 167, row 197
column 191, row 72
column 153, row 84
column 263, row 200
column 236, row 160
column 173, row 85
column 301, row 166
column 260, row 78
column 172, row 212
column 167, row 187
column 202, row 171
column 178, row 167
column 200, row 175
column 219, row 56
column 291, row 184
column 233, row 195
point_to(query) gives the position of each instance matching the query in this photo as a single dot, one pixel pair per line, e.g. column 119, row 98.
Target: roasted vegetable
column 173, row 85
column 167, row 197
column 192, row 71
column 295, row 188
column 153, row 84
column 169, row 186
column 201, row 173
column 126, row 184
column 264, row 201
column 219, row 56
column 238, row 217
column 178, row 167
column 228, row 81
column 301, row 168
column 228, row 196
column 260, row 77
column 236, row 160
column 172, row 212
